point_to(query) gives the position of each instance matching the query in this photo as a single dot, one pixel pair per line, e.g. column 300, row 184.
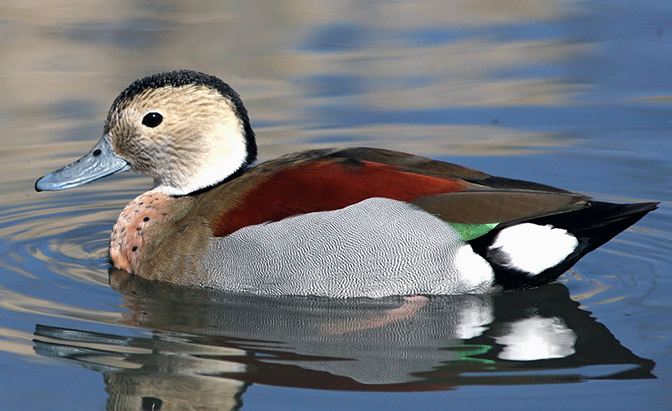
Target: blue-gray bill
column 97, row 163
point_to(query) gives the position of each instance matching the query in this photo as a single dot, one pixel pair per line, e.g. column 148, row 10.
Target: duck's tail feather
column 534, row 252
column 600, row 222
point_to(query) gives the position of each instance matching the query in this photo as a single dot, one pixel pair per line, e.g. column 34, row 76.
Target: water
column 567, row 93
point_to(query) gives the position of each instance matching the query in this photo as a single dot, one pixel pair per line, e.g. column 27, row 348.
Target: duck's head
column 185, row 129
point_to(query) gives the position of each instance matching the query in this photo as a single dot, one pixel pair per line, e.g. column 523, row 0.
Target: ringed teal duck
column 354, row 222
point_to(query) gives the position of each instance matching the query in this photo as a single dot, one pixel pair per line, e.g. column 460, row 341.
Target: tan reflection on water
column 13, row 301
column 59, row 58
column 19, row 342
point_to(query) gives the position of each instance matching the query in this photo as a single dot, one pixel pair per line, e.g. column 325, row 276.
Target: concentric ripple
column 53, row 255
column 56, row 237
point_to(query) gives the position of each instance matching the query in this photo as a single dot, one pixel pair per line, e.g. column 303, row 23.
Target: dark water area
column 575, row 94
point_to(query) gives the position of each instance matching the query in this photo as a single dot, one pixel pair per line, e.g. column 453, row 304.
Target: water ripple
column 53, row 256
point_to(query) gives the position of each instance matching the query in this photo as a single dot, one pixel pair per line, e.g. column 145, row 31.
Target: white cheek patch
column 533, row 248
column 226, row 152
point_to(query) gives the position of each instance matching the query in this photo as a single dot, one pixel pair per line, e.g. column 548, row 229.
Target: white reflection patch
column 537, row 338
column 474, row 318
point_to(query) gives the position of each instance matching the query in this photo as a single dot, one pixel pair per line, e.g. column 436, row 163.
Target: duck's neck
column 214, row 166
column 130, row 233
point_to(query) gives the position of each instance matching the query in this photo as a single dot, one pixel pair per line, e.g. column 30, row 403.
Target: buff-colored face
column 186, row 137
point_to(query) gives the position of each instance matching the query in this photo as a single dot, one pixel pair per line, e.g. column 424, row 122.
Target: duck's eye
column 152, row 119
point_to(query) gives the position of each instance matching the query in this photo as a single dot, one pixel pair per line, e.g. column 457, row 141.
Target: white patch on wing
column 474, row 269
column 534, row 248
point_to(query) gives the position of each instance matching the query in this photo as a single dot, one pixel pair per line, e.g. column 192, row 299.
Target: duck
column 339, row 222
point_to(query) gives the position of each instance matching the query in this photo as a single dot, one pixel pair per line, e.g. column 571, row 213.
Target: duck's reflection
column 206, row 347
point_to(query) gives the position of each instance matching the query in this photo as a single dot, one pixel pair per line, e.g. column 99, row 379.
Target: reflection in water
column 537, row 338
column 207, row 347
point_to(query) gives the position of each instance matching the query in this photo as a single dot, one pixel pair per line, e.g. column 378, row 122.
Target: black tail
column 600, row 222
column 592, row 227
